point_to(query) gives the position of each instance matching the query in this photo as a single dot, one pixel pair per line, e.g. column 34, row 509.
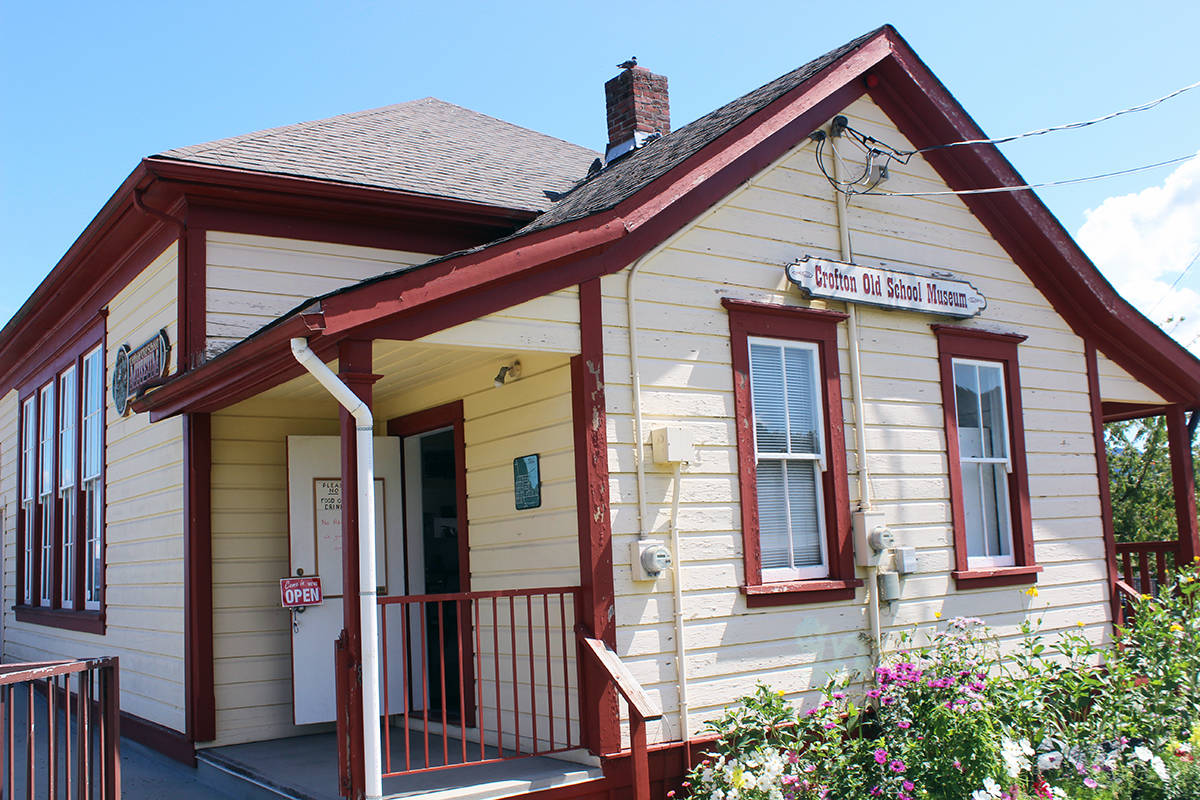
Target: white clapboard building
column 723, row 404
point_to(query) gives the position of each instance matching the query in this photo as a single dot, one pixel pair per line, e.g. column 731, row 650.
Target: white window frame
column 47, row 439
column 986, row 560
column 821, row 570
column 91, row 472
column 29, row 476
column 68, row 396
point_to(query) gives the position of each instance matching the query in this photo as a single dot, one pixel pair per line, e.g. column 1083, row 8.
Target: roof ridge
column 308, row 124
column 316, row 124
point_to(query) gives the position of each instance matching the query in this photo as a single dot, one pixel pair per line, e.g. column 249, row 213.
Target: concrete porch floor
column 305, row 768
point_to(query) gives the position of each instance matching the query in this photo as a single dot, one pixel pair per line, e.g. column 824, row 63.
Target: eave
column 425, row 299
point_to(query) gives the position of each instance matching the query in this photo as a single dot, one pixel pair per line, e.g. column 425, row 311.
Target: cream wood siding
column 144, row 528
column 10, row 445
column 251, row 641
column 254, row 279
column 509, row 549
column 1118, row 386
column 546, row 324
column 739, row 250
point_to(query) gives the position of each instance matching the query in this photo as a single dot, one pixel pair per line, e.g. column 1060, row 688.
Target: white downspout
column 860, row 428
column 364, row 429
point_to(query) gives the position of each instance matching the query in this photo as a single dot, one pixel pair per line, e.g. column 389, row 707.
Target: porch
column 483, row 540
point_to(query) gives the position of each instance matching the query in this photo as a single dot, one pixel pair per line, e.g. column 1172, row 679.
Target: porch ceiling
column 406, row 364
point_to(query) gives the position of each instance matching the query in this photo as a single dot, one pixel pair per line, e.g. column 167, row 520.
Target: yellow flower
column 1176, row 628
column 937, row 615
column 1079, row 623
column 1032, row 591
column 779, row 692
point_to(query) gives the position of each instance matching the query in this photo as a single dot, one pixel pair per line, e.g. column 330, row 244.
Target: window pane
column 774, row 540
column 46, row 414
column 985, row 507
column 767, row 393
column 993, row 412
column 93, row 414
column 66, row 429
column 801, row 400
column 802, row 487
column 28, row 451
column 995, row 505
column 966, row 404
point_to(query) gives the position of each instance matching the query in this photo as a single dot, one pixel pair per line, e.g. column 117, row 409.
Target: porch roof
column 623, row 211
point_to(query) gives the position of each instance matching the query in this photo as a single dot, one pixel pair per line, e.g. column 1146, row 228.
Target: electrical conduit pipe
column 364, row 429
column 860, row 428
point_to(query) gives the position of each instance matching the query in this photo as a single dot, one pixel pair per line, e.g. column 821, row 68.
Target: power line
column 1068, row 126
column 1025, row 186
column 1182, row 275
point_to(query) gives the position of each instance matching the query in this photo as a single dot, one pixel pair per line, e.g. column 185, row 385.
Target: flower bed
column 946, row 718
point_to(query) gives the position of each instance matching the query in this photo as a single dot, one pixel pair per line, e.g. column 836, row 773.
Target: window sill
column 83, row 621
column 800, row 592
column 995, row 576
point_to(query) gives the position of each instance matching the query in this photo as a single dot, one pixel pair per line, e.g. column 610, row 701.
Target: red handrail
column 1146, row 566
column 96, row 718
column 445, row 649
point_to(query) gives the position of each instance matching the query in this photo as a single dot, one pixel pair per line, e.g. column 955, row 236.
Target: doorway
column 435, row 530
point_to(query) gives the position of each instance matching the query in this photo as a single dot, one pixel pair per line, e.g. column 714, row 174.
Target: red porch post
column 354, row 369
column 1184, row 480
column 599, row 709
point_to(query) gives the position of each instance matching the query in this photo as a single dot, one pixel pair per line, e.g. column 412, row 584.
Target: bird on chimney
column 630, row 64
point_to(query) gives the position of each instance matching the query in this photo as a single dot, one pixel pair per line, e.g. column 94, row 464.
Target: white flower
column 980, row 794
column 1057, row 792
column 1160, row 769
column 1049, row 761
column 1143, row 753
column 1013, row 754
column 991, row 787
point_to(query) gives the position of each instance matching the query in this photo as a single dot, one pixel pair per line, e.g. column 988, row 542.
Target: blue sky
column 87, row 89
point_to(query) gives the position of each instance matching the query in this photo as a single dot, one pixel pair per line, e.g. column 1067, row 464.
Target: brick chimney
column 637, row 108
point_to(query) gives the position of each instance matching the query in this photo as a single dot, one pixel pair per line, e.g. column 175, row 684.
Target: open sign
column 300, row 592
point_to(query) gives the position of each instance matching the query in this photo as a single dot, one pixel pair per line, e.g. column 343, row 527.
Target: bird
column 630, row 64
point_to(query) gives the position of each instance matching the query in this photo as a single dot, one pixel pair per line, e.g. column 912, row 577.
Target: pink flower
column 908, row 786
column 903, row 724
column 881, row 756
column 1090, row 782
column 897, row 766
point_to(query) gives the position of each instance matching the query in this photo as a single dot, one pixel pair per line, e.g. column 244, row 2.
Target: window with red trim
column 60, row 527
column 791, row 454
column 985, row 445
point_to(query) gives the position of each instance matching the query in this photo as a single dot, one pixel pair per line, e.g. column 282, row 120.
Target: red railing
column 1147, row 566
column 37, row 761
column 476, row 677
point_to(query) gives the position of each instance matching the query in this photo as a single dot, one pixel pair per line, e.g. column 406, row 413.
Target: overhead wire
column 1175, row 283
column 875, row 149
column 1067, row 126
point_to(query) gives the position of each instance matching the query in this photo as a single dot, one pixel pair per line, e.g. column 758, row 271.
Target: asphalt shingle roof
column 625, row 177
column 426, row 146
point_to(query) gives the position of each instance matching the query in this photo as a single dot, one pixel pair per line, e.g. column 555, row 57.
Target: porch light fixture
column 508, row 372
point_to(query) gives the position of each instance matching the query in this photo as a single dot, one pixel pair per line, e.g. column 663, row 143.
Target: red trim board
column 1102, row 478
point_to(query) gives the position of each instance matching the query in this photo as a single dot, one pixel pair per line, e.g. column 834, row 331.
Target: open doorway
column 435, row 527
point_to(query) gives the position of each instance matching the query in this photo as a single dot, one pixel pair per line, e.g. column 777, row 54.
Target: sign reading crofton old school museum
column 135, row 369
column 837, row 280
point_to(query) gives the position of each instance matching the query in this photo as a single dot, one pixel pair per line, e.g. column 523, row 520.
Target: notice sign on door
column 299, row 592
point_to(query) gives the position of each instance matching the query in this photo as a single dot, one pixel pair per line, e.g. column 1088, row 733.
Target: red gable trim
column 420, row 301
column 927, row 114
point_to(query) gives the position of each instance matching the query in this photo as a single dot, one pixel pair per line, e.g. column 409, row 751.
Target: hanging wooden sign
column 887, row 288
column 137, row 368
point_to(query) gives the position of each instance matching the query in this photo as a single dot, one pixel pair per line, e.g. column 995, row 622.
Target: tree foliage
column 1139, row 468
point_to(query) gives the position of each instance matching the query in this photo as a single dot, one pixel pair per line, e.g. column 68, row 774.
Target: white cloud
column 1141, row 242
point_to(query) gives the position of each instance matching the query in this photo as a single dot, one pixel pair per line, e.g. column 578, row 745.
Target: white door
column 315, row 548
